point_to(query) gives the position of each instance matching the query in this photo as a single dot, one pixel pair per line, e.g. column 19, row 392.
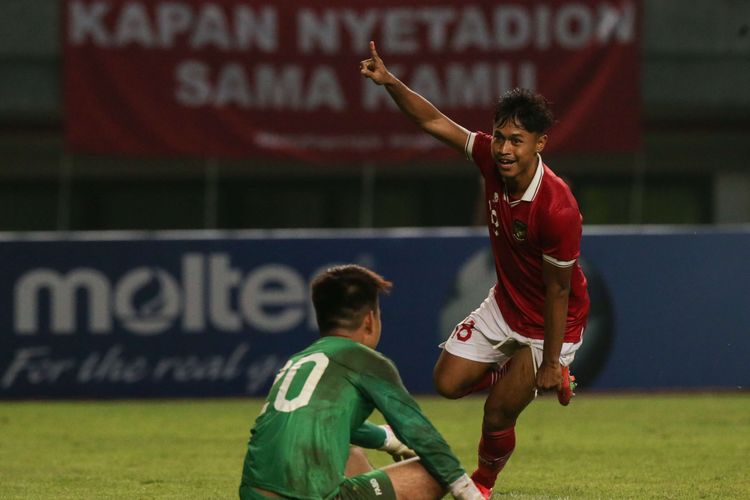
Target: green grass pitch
column 601, row 446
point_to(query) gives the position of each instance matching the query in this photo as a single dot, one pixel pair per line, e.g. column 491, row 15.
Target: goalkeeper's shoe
column 464, row 488
column 568, row 387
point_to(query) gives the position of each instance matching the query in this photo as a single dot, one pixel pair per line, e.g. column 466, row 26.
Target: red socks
column 495, row 449
column 489, row 379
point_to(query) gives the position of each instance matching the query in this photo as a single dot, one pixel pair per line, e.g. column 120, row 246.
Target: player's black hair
column 343, row 295
column 529, row 110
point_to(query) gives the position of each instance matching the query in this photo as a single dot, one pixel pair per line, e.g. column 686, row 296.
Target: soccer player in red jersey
column 535, row 314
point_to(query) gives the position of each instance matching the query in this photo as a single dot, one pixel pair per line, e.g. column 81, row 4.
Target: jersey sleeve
column 561, row 236
column 368, row 435
column 477, row 149
column 381, row 383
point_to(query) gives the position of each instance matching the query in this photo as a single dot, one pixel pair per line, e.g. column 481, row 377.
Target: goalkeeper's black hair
column 344, row 295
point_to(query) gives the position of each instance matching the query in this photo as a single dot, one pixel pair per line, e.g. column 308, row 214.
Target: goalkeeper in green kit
column 300, row 445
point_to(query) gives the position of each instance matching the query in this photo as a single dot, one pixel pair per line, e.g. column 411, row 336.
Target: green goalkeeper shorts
column 373, row 485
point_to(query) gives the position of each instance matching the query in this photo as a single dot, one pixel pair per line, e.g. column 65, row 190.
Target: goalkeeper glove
column 398, row 450
column 464, row 488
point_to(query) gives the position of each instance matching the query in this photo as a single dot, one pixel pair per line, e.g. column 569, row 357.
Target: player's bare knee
column 451, row 377
column 447, row 387
column 450, row 393
column 500, row 414
column 497, row 419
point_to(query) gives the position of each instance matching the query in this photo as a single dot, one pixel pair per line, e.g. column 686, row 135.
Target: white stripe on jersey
column 558, row 263
column 469, row 145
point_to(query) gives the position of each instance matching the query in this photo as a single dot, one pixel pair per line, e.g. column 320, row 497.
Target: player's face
column 514, row 150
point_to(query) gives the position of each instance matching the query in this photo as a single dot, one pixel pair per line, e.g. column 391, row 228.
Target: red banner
column 235, row 78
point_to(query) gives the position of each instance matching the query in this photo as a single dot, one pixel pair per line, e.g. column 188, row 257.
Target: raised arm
column 417, row 108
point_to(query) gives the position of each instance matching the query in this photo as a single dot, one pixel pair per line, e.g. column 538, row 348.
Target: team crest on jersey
column 519, row 230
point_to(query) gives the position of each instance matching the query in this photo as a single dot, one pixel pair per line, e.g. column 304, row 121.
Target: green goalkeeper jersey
column 300, row 441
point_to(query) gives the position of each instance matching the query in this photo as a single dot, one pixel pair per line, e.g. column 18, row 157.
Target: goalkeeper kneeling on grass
column 301, row 443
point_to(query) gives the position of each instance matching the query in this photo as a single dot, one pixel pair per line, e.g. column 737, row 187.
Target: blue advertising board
column 190, row 315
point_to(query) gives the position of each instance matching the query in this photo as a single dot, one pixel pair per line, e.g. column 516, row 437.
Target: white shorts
column 485, row 336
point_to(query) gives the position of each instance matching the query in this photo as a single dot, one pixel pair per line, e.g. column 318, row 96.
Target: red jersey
column 545, row 224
